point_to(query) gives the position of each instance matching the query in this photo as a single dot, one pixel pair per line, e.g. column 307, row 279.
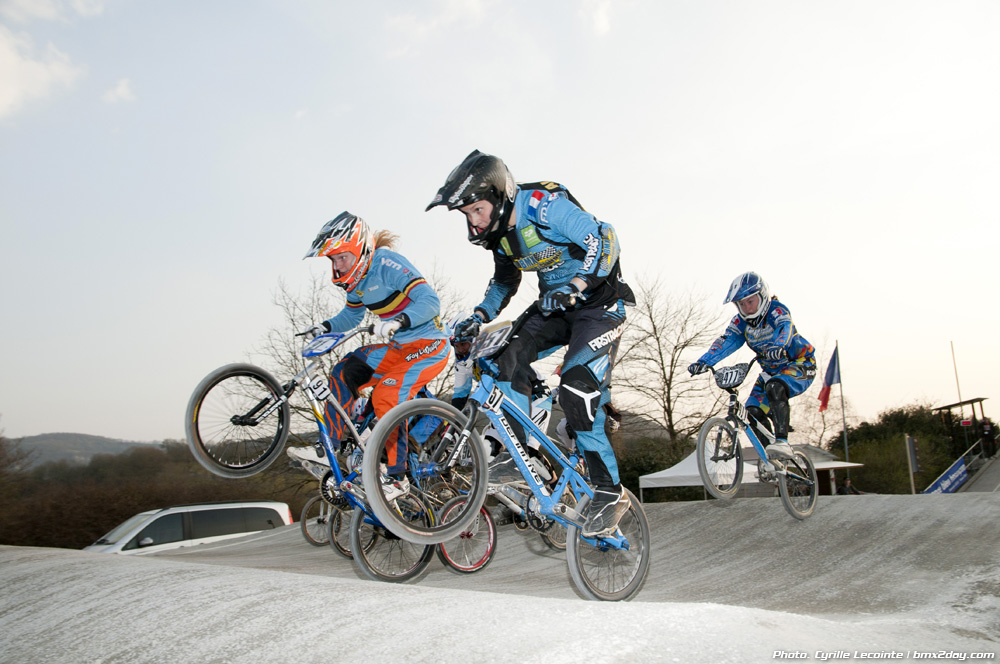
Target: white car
column 187, row 525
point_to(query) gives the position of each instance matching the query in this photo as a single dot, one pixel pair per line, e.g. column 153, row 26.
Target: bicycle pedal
column 605, row 534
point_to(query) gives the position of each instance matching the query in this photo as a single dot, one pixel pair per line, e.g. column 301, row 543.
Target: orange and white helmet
column 346, row 233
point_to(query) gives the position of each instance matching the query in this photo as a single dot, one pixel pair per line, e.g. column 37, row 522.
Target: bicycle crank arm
column 568, row 513
column 354, row 489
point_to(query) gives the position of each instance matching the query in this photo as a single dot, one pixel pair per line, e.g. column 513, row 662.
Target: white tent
column 685, row 472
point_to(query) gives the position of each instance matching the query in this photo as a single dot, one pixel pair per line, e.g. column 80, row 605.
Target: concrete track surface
column 729, row 581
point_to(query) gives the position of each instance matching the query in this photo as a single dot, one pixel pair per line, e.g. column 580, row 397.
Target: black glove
column 468, row 329
column 775, row 354
column 560, row 299
column 696, row 368
column 316, row 330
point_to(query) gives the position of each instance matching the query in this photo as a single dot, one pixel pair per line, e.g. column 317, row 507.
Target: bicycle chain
column 330, row 491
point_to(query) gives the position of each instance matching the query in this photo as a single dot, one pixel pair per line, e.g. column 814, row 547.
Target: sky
column 164, row 166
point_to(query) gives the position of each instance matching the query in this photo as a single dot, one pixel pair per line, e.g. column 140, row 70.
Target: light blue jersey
column 559, row 240
column 391, row 287
column 776, row 331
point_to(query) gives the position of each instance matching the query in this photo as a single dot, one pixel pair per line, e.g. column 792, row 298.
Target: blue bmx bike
column 720, row 452
column 237, row 423
column 611, row 567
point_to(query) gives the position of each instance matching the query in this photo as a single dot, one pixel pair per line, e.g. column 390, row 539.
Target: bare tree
column 450, row 298
column 666, row 332
column 823, row 429
column 281, row 350
column 826, row 429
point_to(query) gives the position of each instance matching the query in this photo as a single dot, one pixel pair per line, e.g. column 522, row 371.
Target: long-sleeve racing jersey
column 392, row 287
column 775, row 331
column 559, row 240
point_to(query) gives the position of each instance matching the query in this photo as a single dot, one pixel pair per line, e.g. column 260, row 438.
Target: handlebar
column 321, row 344
column 749, row 364
column 731, row 377
column 370, row 329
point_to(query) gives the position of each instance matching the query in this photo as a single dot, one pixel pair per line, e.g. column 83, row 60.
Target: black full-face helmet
column 481, row 177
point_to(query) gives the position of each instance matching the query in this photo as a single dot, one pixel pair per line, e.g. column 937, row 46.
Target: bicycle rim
column 226, row 429
column 428, row 473
column 602, row 572
column 474, row 547
column 799, row 490
column 387, row 557
column 315, row 521
column 339, row 533
column 720, row 458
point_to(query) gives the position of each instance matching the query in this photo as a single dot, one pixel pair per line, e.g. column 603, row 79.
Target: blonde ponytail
column 385, row 239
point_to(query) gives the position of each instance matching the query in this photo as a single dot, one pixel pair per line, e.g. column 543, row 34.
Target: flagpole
column 961, row 408
column 843, row 414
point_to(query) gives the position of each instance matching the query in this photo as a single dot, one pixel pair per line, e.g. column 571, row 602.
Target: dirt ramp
column 70, row 606
column 856, row 554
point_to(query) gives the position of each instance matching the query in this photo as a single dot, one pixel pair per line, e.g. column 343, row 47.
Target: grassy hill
column 74, row 448
column 79, row 448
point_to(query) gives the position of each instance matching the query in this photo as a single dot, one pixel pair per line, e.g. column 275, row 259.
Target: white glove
column 386, row 328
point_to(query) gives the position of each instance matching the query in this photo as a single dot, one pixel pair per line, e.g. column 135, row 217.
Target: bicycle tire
column 388, row 557
column 799, row 493
column 602, row 572
column 222, row 445
column 720, row 458
column 340, row 531
column 315, row 521
column 474, row 547
column 476, row 473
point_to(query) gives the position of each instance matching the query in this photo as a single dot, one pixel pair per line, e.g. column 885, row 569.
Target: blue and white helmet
column 449, row 327
column 745, row 285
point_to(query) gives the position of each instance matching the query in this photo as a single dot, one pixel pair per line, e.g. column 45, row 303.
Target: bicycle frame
column 487, row 398
column 738, row 416
column 317, row 390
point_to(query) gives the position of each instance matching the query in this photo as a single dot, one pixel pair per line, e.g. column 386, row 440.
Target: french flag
column 831, row 379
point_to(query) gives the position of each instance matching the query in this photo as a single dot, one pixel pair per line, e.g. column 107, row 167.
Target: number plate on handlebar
column 490, row 340
column 323, row 344
column 729, row 377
